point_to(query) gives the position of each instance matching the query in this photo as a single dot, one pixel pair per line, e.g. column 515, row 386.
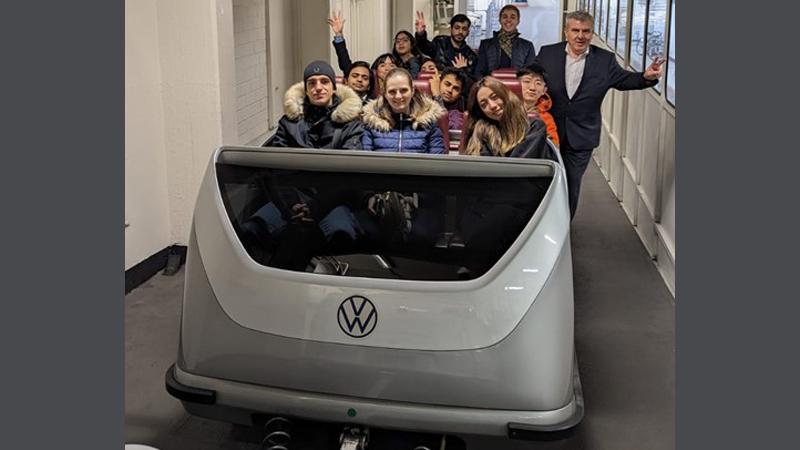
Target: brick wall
column 251, row 69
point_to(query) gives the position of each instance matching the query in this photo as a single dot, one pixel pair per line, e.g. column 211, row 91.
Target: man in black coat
column 578, row 76
column 318, row 114
column 448, row 51
column 506, row 49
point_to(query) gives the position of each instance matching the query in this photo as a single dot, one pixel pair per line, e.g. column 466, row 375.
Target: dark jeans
column 575, row 163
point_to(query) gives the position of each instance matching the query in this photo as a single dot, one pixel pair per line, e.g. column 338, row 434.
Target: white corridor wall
column 147, row 214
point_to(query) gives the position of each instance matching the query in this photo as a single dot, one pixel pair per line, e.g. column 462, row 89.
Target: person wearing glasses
column 405, row 49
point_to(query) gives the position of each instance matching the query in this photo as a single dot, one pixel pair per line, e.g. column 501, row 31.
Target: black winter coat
column 306, row 126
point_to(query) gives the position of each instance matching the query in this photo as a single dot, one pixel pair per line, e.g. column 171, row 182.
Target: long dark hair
column 381, row 58
column 510, row 129
column 364, row 64
column 414, row 50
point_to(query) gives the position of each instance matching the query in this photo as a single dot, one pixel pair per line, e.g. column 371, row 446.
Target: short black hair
column 460, row 18
column 365, row 65
column 532, row 69
column 458, row 73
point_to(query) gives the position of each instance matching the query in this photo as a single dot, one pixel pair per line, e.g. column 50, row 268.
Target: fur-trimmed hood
column 348, row 109
column 426, row 115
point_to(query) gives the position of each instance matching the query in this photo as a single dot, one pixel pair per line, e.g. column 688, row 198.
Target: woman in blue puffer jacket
column 402, row 119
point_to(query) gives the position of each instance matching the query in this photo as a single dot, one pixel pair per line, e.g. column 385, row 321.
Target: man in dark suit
column 578, row 76
column 506, row 48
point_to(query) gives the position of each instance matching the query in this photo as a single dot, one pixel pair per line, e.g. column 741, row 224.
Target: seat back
column 424, row 86
column 425, row 75
column 513, row 85
column 504, row 72
column 339, row 79
column 376, row 89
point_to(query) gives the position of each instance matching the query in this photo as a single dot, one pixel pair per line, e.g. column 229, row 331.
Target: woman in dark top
column 405, row 49
column 497, row 125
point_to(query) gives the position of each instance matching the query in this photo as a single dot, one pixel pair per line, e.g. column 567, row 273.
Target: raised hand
column 337, row 23
column 419, row 23
column 459, row 62
column 435, row 82
column 655, row 70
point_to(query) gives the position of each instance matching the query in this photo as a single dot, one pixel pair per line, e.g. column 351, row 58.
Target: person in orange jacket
column 535, row 98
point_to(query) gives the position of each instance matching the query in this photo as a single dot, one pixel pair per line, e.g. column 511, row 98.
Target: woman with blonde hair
column 497, row 125
column 402, row 119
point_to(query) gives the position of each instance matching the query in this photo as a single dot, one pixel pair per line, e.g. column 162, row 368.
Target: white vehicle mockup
column 412, row 292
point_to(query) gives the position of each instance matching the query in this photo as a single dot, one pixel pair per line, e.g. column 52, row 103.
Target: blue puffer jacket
column 415, row 133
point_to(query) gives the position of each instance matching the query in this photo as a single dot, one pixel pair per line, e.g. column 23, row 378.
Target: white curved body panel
column 433, row 316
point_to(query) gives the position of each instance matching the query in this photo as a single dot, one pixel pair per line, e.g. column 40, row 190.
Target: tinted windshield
column 377, row 225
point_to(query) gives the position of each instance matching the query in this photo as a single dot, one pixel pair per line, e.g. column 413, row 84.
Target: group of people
column 378, row 108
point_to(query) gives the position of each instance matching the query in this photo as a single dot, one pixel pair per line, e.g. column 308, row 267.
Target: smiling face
column 428, row 66
column 509, row 20
column 459, row 32
column 384, row 67
column 490, row 103
column 358, row 79
column 450, row 88
column 579, row 35
column 319, row 90
column 402, row 44
column 533, row 87
column 399, row 92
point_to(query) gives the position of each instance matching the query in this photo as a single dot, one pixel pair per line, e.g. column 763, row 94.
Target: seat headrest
column 513, row 85
column 423, row 86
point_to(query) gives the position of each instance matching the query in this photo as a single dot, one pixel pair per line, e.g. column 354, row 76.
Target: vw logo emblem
column 357, row 316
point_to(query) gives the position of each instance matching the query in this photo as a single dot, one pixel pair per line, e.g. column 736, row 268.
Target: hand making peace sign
column 419, row 23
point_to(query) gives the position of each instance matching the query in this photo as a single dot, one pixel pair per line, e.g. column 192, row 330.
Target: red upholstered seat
column 424, row 86
column 339, row 79
column 504, row 74
column 513, row 85
column 425, row 75
column 376, row 90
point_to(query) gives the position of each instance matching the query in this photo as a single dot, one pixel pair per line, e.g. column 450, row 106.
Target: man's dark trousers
column 575, row 163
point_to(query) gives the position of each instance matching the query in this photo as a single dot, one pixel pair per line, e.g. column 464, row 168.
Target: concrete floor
column 624, row 325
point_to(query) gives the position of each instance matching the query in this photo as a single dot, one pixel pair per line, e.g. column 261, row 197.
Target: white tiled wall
column 251, row 69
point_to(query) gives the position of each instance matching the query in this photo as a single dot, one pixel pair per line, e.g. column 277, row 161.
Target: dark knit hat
column 319, row 68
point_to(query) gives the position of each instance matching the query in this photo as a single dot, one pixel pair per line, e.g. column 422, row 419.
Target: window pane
column 656, row 32
column 612, row 24
column 437, row 228
column 671, row 60
column 603, row 19
column 538, row 23
column 622, row 29
column 599, row 29
column 637, row 34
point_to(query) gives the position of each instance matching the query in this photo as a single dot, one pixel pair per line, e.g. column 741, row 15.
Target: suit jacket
column 579, row 118
column 522, row 54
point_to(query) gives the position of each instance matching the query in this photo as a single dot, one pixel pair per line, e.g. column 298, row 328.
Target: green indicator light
column 351, row 412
